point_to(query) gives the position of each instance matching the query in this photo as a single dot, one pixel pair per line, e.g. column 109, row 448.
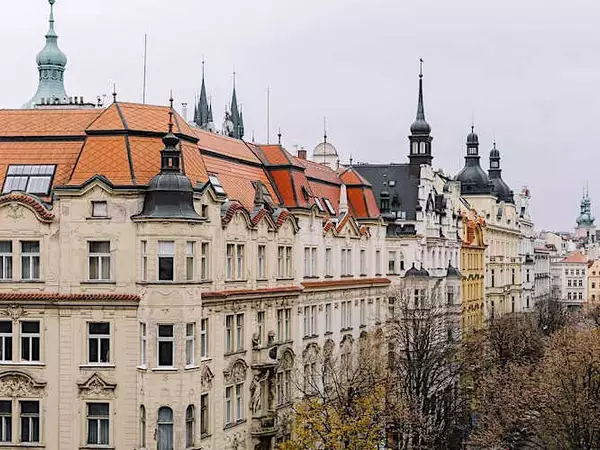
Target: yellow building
column 594, row 282
column 472, row 256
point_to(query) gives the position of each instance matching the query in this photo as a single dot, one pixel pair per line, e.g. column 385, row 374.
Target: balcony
column 264, row 426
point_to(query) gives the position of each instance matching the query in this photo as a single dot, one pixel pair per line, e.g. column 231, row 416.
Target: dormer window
column 216, row 184
column 319, row 204
column 305, row 193
column 329, row 206
column 33, row 179
column 99, row 209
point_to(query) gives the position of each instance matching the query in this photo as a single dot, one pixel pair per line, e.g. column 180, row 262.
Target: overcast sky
column 527, row 71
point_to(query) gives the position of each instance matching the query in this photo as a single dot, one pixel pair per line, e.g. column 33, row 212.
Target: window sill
column 389, row 274
column 164, row 282
column 98, row 218
column 377, row 274
column 311, row 277
column 23, row 281
column 363, row 275
column 112, row 282
column 312, row 336
column 328, row 276
column 142, row 368
column 284, row 279
column 22, row 363
column 206, row 359
column 21, row 445
column 262, row 280
column 92, row 366
column 236, row 281
column 164, row 369
column 105, row 447
column 234, row 424
column 236, row 352
column 362, row 326
column 190, row 368
column 328, row 333
column 346, row 276
column 205, row 436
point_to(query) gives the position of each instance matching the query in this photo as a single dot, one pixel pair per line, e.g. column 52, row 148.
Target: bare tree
column 551, row 315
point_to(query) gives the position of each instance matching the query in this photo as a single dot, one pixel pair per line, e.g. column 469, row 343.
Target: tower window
column 422, row 148
column 415, row 148
column 472, row 151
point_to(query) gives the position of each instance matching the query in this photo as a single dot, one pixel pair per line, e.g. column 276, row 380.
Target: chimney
column 184, row 111
column 302, row 153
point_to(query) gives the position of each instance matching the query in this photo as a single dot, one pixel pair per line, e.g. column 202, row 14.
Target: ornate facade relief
column 20, row 384
column 206, row 378
column 236, row 372
column 15, row 312
column 96, row 386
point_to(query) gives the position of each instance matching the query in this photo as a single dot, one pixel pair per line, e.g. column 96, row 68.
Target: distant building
column 542, row 274
column 594, row 282
column 573, row 280
column 526, row 250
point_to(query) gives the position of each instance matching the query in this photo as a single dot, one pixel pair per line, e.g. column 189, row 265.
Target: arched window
column 190, row 423
column 165, row 428
column 415, row 148
column 422, row 148
column 142, row 426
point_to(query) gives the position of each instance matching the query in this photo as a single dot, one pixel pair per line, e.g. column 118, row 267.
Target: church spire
column 202, row 119
column 51, row 63
column 420, row 138
column 236, row 127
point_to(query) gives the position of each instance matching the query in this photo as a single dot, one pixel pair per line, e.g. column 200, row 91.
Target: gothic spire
column 51, row 63
column 420, row 125
column 420, row 138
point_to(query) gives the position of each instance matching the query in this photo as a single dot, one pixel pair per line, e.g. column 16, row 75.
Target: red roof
column 576, row 257
column 46, row 122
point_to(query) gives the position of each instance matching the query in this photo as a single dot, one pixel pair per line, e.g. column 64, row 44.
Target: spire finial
column 325, row 129
column 203, row 67
column 171, row 112
column 279, row 135
column 420, row 67
column 114, row 94
column 234, row 78
column 51, row 32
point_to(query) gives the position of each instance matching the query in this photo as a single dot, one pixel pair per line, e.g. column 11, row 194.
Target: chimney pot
column 302, row 153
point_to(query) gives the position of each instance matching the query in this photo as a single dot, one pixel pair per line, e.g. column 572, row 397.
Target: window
column 165, row 346
column 310, row 261
column 99, row 209
column 307, row 261
column 143, row 345
column 328, row 263
column 235, row 262
column 310, row 320
column 319, row 204
column 401, row 261
column 204, row 268
column 30, row 341
column 204, row 425
column 378, row 308
column 392, row 263
column 30, row 260
column 328, row 317
column 234, row 406
column 144, row 250
column 164, row 435
column 166, row 256
column 239, row 328
column 580, row 283
column 142, row 426
column 5, row 341
column 343, row 263
column 283, row 324
column 5, row 260
column 419, row 298
column 204, row 338
column 493, row 279
column 260, row 321
column 363, row 262
column 30, row 179
column 569, row 296
column 229, row 333
column 580, row 296
column 513, row 304
column 5, row 421
column 284, row 262
column 98, row 342
column 97, row 424
column 568, row 283
column 329, row 206
column 377, row 262
column 450, row 295
column 239, row 402
column 346, row 314
column 30, row 421
column 513, row 276
column 190, row 423
column 422, row 146
column 391, row 307
column 190, row 344
column 99, row 260
column 528, row 275
column 216, row 184
column 189, row 261
column 260, row 269
column 228, row 404
column 593, row 285
column 363, row 312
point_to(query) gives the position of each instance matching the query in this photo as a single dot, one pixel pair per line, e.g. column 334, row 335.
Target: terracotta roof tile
column 318, row 171
column 224, row 145
column 323, row 190
column 276, row 155
column 63, row 154
column 12, row 296
column 145, row 154
column 284, row 185
column 31, row 201
column 193, row 163
column 349, row 176
column 46, row 122
column 576, row 257
column 349, row 282
column 108, row 120
column 357, row 202
column 103, row 155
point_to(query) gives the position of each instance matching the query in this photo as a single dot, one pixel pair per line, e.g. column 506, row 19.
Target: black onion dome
column 420, row 126
column 453, row 272
column 472, row 138
column 474, row 180
column 502, row 190
column 413, row 272
column 423, row 272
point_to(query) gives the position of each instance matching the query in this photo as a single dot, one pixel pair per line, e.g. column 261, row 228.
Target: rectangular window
column 348, row 262
column 239, row 402
column 307, row 321
column 5, row 421
column 363, row 312
column 165, row 346
column 391, row 306
column 204, row 259
column 260, row 321
column 343, row 268
column 98, row 342
column 6, row 260
column 6, row 340
column 228, row 404
column 30, row 341
column 493, row 278
column 391, row 263
column 528, row 276
column 313, row 261
column 288, row 262
column 287, row 324
column 99, row 260
column 99, row 209
column 568, row 283
column 97, row 424
column 283, row 324
column 378, row 262
column 280, row 262
column 450, row 294
column 143, row 345
column 229, row 333
column 240, row 262
column 189, row 260
column 328, row 263
column 378, row 309
column 346, row 314
column 166, row 257
column 307, row 262
column 328, row 317
column 239, row 330
column 144, row 250
column 204, row 338
column 204, row 415
column 33, row 179
column 260, row 268
column 313, row 320
column 30, row 421
column 30, row 260
column 363, row 262
column 190, row 344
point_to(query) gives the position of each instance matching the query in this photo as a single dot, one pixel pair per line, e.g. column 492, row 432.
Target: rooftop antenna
column 253, row 136
column 268, row 113
column 420, row 67
column 145, row 67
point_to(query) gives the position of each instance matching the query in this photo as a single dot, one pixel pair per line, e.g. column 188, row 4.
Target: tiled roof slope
column 576, row 257
column 46, row 122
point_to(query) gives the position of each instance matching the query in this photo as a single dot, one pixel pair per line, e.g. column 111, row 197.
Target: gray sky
column 526, row 70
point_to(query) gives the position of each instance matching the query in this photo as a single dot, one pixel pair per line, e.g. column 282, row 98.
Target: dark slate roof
column 402, row 187
column 473, row 178
column 453, row 272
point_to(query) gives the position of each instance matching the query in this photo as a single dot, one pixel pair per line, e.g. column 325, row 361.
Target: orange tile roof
column 109, row 119
column 276, row 155
column 328, row 191
column 284, row 185
column 145, row 155
column 576, row 257
column 224, row 145
column 63, row 154
column 193, row 163
column 103, row 155
column 350, row 176
column 357, row 202
column 46, row 122
column 318, row 171
column 152, row 118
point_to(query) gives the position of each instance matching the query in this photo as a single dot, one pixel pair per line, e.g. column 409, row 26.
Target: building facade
column 526, row 250
column 542, row 274
column 573, row 280
column 593, row 282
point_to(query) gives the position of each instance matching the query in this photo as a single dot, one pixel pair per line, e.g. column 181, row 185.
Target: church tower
column 420, row 135
column 51, row 62
column 586, row 227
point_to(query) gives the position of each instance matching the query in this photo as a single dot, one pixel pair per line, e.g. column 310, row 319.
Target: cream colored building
column 593, row 282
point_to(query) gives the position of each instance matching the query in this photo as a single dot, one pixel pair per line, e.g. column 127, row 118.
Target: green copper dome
column 585, row 218
column 51, row 63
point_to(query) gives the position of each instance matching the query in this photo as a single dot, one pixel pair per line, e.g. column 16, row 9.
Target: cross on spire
column 420, row 67
column 171, row 113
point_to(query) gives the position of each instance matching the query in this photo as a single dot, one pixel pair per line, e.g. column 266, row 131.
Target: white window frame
column 190, row 344
column 239, row 402
column 4, row 336
column 261, row 254
column 328, row 262
column 162, row 253
column 31, row 257
column 328, row 317
column 204, row 406
column 261, row 325
column 6, row 420
column 102, row 257
column 228, row 413
column 7, row 262
column 229, row 333
column 99, row 420
column 167, row 339
column 363, row 312
column 378, row 262
column 30, row 417
column 363, row 262
column 31, row 337
column 97, row 208
column 144, row 256
column 143, row 345
column 239, row 332
column 99, row 338
column 190, row 259
column 205, row 261
column 204, row 340
column 288, row 261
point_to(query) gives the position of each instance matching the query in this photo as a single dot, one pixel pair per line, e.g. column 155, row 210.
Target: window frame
column 99, row 337
column 166, row 256
column 190, row 344
column 99, row 421
column 31, row 257
column 190, row 260
column 33, row 425
column 204, row 338
column 7, row 342
column 165, row 339
column 31, row 337
column 7, row 262
column 102, row 257
column 28, row 177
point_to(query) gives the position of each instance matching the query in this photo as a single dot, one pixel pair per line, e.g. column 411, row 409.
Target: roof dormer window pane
column 329, row 206
column 33, row 179
column 216, row 184
column 319, row 204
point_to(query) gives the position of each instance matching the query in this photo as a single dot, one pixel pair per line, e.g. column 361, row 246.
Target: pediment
column 96, row 386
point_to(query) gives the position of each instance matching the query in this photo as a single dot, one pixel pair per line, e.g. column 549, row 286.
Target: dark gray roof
column 473, row 179
column 403, row 189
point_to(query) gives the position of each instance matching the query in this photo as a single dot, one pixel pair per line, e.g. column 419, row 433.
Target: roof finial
column 420, row 125
column 279, row 136
column 171, row 112
column 420, row 67
column 234, row 78
column 114, row 94
column 203, row 67
column 325, row 129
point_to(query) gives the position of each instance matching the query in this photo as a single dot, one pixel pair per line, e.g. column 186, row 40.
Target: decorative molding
column 206, row 378
column 96, row 386
column 20, row 384
column 14, row 311
column 236, row 372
